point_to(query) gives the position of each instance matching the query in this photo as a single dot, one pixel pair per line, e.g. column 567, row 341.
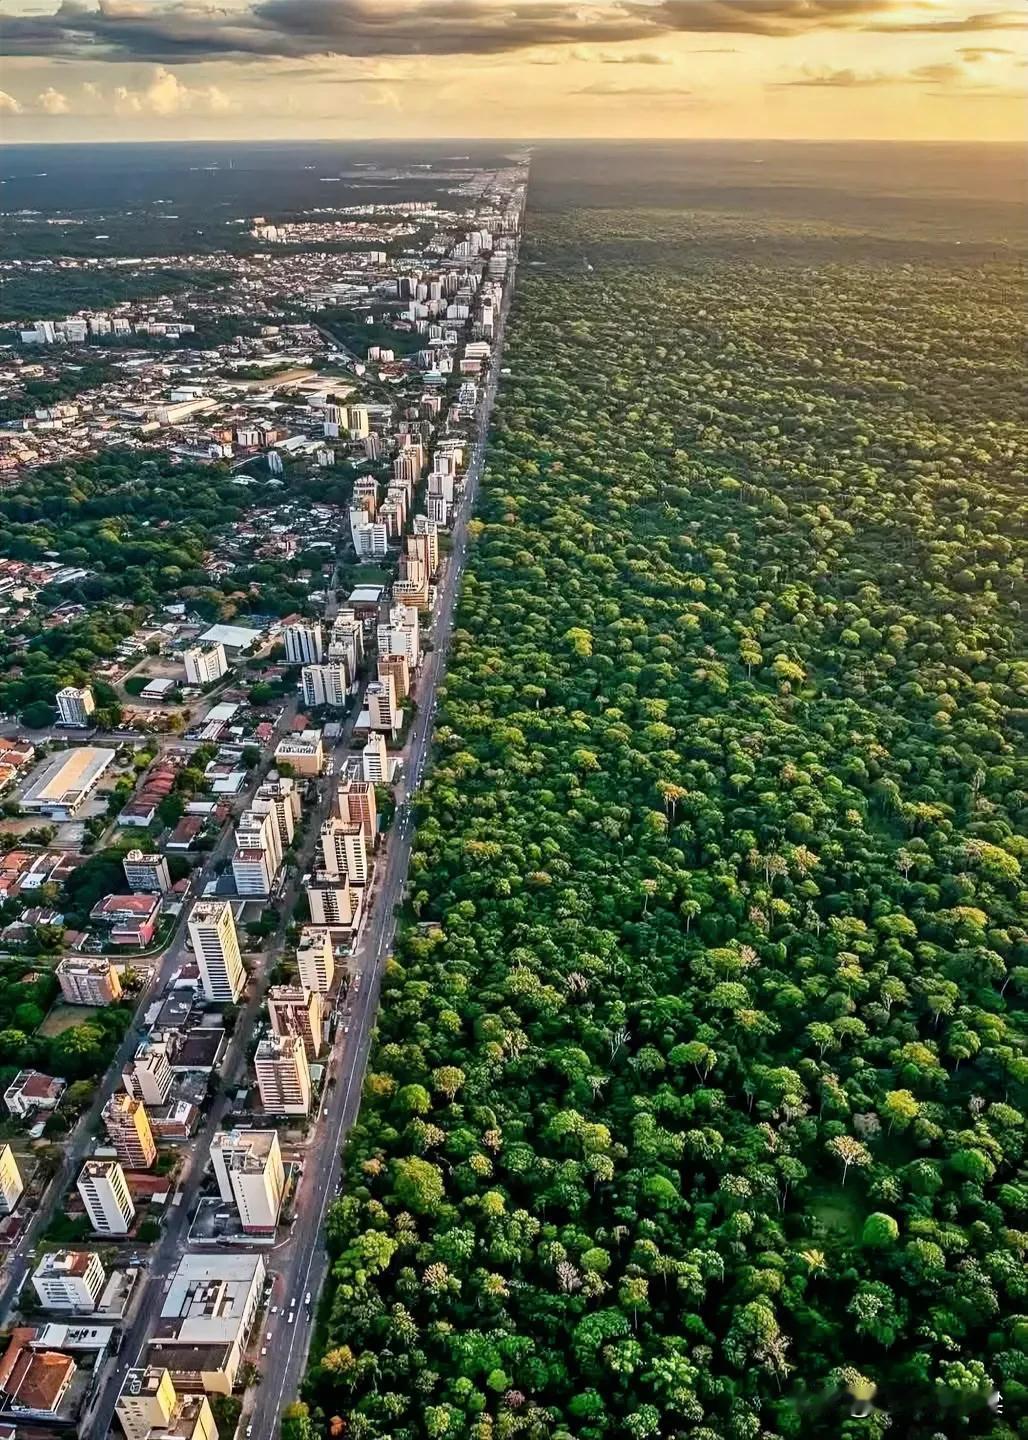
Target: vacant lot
column 63, row 1017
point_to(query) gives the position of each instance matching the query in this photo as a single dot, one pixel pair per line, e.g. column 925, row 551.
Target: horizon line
column 537, row 140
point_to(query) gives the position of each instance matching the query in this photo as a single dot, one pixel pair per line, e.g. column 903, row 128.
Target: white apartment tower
column 69, row 1280
column 401, row 634
column 280, row 797
column 283, row 1075
column 258, row 830
column 333, row 902
column 205, row 664
column 325, row 685
column 375, row 759
column 344, row 851
column 315, row 959
column 12, row 1186
column 304, row 644
column 252, row 873
column 105, row 1195
column 146, row 872
column 149, row 1076
column 212, row 934
column 382, row 707
column 76, row 706
column 249, row 1171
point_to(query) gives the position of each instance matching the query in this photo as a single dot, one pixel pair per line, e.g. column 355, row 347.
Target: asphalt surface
column 304, row 1262
column 79, row 1143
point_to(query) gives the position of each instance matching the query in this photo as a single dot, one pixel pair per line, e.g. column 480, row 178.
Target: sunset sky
column 807, row 69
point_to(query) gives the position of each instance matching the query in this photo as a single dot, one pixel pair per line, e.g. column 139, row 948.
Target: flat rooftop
column 66, row 777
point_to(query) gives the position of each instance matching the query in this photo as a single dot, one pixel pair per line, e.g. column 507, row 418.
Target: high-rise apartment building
column 105, row 1195
column 400, row 634
column 383, row 710
column 346, row 644
column 252, row 873
column 305, row 644
column 333, row 902
column 69, row 1280
column 358, row 422
column 76, row 706
column 325, row 685
column 128, row 1127
column 258, row 830
column 250, row 1174
column 315, row 959
column 212, row 934
column 279, row 796
column 344, row 851
column 295, row 1010
column 12, row 1186
column 147, row 872
column 148, row 1076
column 283, row 1075
column 375, row 759
column 151, row 1408
column 205, row 664
column 88, row 980
column 429, row 531
column 355, row 802
column 396, row 669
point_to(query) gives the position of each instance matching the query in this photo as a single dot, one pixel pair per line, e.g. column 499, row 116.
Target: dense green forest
column 60, row 292
column 141, row 525
column 697, row 1103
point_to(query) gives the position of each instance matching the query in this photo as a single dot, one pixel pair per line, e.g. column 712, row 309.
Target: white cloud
column 52, row 102
column 8, row 104
column 167, row 95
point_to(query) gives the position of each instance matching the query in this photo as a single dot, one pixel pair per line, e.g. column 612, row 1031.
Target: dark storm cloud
column 188, row 30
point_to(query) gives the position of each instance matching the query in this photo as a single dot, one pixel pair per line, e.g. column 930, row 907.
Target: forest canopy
column 697, row 1102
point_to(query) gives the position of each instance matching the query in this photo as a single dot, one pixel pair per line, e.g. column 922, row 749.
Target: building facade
column 71, row 1280
column 212, row 934
column 105, row 1195
column 305, row 644
column 146, row 872
column 315, row 958
column 76, row 706
column 295, row 1010
column 283, row 1075
column 250, row 1174
column 128, row 1127
column 88, row 980
column 12, row 1186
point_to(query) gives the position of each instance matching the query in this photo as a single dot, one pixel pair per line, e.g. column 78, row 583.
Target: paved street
column 89, row 1126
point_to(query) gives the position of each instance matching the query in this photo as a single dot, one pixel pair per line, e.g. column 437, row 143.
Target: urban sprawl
column 205, row 837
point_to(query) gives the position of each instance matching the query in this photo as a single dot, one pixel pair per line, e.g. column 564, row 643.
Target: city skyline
column 350, row 69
